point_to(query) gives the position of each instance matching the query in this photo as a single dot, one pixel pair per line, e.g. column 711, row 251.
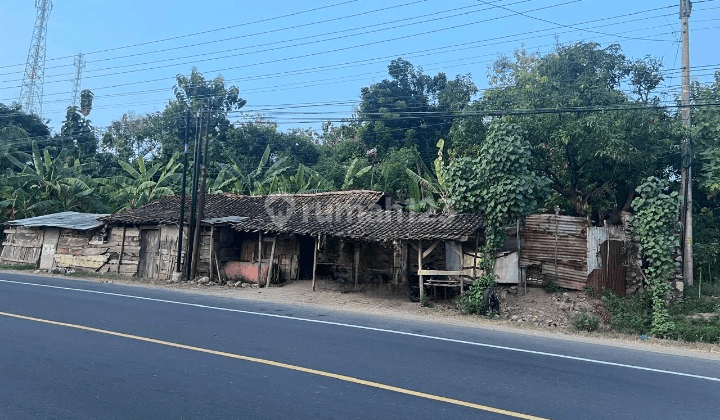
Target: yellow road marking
column 285, row 366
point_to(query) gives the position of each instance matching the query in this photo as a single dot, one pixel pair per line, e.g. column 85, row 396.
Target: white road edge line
column 360, row 327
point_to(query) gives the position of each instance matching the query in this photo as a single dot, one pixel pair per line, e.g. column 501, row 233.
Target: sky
column 299, row 63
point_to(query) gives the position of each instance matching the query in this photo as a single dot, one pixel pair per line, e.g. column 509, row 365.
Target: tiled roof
column 166, row 211
column 372, row 225
column 350, row 214
column 64, row 220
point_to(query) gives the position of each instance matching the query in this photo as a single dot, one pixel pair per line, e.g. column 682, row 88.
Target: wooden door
column 149, row 250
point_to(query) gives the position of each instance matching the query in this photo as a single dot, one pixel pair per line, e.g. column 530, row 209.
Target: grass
column 585, row 322
column 18, row 267
column 633, row 316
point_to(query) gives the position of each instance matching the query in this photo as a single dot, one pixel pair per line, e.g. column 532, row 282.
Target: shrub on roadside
column 585, row 322
column 631, row 315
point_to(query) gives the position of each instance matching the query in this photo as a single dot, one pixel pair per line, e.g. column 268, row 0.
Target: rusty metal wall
column 558, row 246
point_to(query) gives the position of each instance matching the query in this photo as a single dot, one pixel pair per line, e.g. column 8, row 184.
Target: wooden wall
column 22, row 245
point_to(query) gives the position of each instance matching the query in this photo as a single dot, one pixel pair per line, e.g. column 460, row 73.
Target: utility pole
column 31, row 93
column 686, row 161
column 79, row 66
column 201, row 192
column 193, row 206
column 182, row 195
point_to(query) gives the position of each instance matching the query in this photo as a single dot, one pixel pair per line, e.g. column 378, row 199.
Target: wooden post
column 420, row 283
column 357, row 263
column 212, row 243
column 122, row 249
column 270, row 264
column 404, row 261
column 259, row 258
column 315, row 253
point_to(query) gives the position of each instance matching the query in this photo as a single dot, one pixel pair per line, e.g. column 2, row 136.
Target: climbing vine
column 497, row 183
column 655, row 223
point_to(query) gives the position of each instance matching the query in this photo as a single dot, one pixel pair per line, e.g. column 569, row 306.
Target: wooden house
column 64, row 239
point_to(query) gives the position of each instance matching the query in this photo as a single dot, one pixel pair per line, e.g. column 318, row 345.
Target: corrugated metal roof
column 64, row 220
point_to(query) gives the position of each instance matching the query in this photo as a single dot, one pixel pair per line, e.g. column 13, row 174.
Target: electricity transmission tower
column 31, row 93
column 79, row 66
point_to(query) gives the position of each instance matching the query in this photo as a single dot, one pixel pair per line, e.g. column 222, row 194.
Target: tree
column 46, row 185
column 135, row 135
column 595, row 159
column 78, row 137
column 209, row 99
column 705, row 135
column 18, row 131
column 143, row 185
column 410, row 109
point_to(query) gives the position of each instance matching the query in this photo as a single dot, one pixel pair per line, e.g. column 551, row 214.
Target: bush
column 631, row 315
column 473, row 301
column 699, row 329
column 585, row 322
column 553, row 287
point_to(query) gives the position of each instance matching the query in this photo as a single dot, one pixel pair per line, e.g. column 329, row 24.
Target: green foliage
column 46, row 185
column 143, row 185
column 355, row 171
column 429, row 190
column 135, row 135
column 410, row 109
column 585, row 322
column 631, row 315
column 473, row 301
column 655, row 223
column 595, row 160
column 498, row 182
column 22, row 267
column 553, row 287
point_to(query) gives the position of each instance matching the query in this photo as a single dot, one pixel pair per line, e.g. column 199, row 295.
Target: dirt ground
column 532, row 311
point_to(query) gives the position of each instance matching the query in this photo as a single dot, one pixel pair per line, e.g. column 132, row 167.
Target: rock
column 565, row 306
column 238, row 284
column 203, row 280
column 514, row 318
column 566, row 297
column 513, row 289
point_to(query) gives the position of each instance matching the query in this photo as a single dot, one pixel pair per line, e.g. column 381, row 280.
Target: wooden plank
column 122, row 249
column 442, row 272
column 90, row 261
column 431, row 249
column 357, row 262
column 315, row 260
column 420, row 283
column 260, row 239
column 270, row 263
column 212, row 251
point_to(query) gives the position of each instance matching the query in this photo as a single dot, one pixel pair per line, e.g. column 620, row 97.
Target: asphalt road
column 85, row 350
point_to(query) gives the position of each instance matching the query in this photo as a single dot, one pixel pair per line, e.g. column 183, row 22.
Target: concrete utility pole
column 31, row 93
column 686, row 174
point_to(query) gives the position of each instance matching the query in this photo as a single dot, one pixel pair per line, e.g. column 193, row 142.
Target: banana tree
column 143, row 185
column 46, row 184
